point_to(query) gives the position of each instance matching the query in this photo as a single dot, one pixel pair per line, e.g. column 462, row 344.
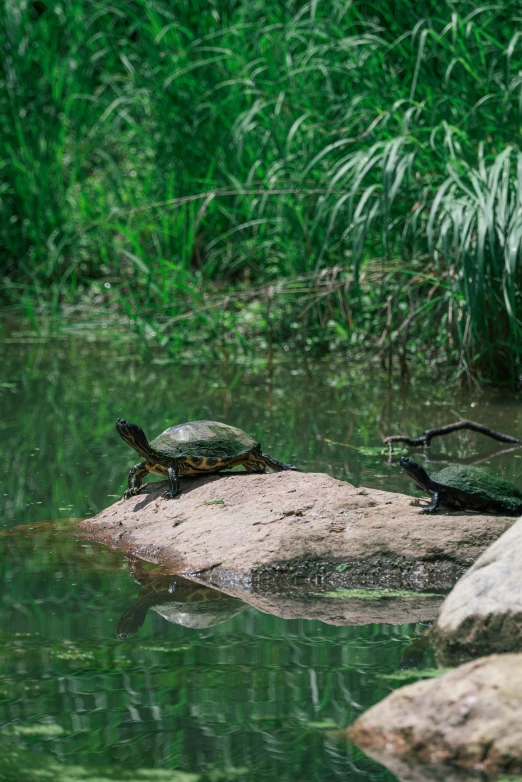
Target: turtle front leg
column 434, row 504
column 174, row 484
column 136, row 473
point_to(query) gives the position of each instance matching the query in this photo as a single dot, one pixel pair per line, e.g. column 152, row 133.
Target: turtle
column 466, row 487
column 177, row 600
column 193, row 448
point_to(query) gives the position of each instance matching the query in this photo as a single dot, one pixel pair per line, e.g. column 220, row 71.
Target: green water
column 254, row 697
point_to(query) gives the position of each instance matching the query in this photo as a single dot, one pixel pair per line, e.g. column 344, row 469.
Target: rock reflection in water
column 418, row 772
column 177, row 600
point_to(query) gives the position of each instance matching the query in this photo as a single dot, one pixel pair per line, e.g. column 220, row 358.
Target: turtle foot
column 169, row 494
column 130, row 493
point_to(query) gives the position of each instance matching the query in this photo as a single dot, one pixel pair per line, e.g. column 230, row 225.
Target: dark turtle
column 469, row 488
column 193, row 448
column 177, row 600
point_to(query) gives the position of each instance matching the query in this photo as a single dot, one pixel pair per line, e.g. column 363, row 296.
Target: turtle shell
column 200, row 614
column 177, row 600
column 479, row 485
column 203, row 438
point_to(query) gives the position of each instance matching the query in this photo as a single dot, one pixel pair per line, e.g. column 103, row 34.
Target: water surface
column 252, row 696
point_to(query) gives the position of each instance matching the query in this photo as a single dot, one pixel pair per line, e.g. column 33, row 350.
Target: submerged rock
column 483, row 613
column 470, row 718
column 253, row 531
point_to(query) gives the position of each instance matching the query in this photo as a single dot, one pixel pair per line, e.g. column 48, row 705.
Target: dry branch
column 426, row 437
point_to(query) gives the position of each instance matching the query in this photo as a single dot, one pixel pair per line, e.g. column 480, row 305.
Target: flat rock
column 251, row 531
column 469, row 718
column 483, row 613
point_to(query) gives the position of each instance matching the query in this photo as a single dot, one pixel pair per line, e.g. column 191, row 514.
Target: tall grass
column 322, row 173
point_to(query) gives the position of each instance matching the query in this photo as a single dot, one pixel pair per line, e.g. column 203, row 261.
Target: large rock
column 470, row 718
column 253, row 531
column 483, row 613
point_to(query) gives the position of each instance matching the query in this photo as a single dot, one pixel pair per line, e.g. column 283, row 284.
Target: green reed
column 317, row 174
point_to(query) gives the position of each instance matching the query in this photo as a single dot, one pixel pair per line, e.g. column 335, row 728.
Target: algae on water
column 374, row 594
column 414, row 673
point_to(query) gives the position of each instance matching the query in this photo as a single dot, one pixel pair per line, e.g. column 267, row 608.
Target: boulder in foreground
column 470, row 718
column 483, row 613
column 253, row 531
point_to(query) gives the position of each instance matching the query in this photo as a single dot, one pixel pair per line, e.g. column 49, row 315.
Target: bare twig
column 426, row 437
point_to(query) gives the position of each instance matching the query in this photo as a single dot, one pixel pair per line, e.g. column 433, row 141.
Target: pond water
column 239, row 694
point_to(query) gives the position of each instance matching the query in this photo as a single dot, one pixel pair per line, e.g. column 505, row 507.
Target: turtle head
column 416, row 471
column 134, row 436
